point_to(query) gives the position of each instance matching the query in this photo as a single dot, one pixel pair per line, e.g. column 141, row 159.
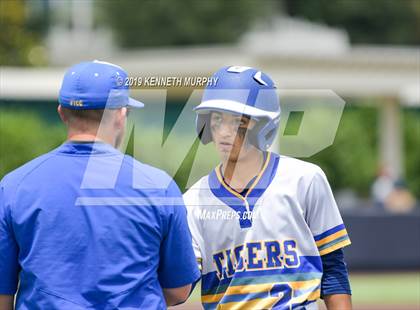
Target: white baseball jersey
column 261, row 249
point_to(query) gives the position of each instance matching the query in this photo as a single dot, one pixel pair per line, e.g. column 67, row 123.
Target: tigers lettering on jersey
column 256, row 255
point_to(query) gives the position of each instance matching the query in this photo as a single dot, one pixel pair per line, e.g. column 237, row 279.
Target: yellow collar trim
column 220, row 178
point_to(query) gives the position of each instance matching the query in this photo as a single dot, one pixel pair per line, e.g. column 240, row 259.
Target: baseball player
column 266, row 230
column 87, row 227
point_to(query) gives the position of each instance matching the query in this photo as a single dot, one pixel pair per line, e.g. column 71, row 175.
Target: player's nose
column 226, row 130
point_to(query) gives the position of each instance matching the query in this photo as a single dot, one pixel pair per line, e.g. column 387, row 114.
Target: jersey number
column 283, row 292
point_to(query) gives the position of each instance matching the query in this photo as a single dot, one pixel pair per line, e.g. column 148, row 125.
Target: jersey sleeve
column 9, row 267
column 177, row 266
column 193, row 216
column 323, row 216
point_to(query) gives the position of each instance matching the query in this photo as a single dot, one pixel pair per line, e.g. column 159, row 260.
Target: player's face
column 229, row 133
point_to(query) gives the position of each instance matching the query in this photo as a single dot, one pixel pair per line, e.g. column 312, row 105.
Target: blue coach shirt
column 87, row 227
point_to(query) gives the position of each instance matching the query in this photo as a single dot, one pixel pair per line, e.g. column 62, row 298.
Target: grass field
column 393, row 289
column 376, row 291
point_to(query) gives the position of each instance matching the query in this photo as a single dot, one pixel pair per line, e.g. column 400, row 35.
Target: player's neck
column 239, row 173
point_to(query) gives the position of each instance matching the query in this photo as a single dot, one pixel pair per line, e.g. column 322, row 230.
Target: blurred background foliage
column 355, row 146
column 411, row 120
column 157, row 23
column 39, row 137
column 147, row 23
column 23, row 27
column 153, row 23
column 194, row 22
column 366, row 21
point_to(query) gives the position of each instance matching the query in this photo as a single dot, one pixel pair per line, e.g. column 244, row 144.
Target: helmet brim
column 234, row 107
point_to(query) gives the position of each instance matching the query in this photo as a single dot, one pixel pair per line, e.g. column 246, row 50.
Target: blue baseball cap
column 96, row 85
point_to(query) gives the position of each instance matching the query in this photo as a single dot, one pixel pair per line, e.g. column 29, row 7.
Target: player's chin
column 224, row 155
column 230, row 153
column 223, row 150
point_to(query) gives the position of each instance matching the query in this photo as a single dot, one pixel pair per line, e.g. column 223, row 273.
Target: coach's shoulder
column 15, row 177
column 145, row 176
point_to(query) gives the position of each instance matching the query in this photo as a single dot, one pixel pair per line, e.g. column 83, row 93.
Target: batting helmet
column 244, row 91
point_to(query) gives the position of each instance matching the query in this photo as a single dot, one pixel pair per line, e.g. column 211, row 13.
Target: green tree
column 165, row 22
column 21, row 32
column 411, row 121
column 352, row 160
column 24, row 136
column 366, row 21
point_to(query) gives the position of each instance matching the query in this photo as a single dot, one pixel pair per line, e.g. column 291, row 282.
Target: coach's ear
column 120, row 118
column 62, row 115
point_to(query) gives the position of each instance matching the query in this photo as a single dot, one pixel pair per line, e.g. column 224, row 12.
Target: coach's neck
column 108, row 127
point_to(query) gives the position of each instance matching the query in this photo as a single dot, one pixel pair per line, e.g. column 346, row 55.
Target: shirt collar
column 87, row 148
